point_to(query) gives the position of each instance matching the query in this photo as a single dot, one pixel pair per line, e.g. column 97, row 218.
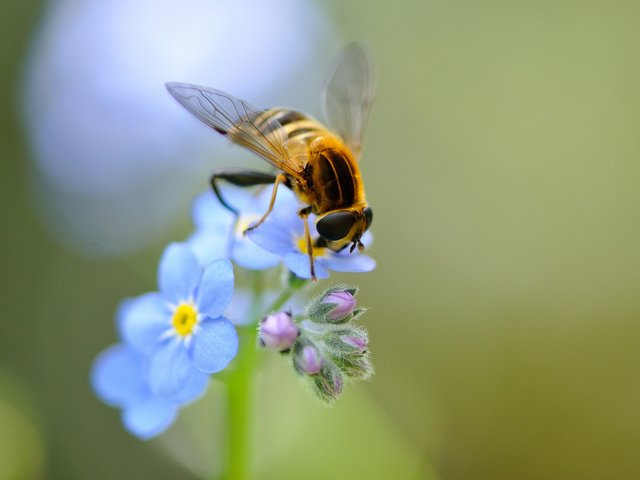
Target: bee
column 319, row 163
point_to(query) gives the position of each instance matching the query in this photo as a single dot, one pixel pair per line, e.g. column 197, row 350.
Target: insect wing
column 348, row 95
column 243, row 123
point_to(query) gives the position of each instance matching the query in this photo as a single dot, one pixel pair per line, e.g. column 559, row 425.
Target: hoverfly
column 318, row 163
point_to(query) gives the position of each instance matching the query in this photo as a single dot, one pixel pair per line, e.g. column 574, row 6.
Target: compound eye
column 368, row 216
column 335, row 226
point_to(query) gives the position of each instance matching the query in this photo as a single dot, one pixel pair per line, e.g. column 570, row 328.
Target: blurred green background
column 503, row 163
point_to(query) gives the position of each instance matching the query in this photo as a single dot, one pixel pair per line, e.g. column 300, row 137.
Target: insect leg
column 280, row 178
column 240, row 178
column 304, row 214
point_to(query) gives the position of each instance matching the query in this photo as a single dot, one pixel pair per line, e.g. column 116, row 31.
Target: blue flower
column 181, row 327
column 119, row 378
column 284, row 236
column 217, row 234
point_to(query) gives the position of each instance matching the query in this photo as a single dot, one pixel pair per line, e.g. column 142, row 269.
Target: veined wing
column 348, row 95
column 243, row 123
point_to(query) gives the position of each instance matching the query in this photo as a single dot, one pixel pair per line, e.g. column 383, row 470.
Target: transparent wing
column 348, row 95
column 243, row 123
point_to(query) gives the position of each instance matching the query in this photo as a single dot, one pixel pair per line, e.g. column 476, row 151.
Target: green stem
column 240, row 382
column 239, row 398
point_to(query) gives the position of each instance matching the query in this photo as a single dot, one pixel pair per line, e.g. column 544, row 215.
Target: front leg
column 280, row 178
column 240, row 178
column 304, row 214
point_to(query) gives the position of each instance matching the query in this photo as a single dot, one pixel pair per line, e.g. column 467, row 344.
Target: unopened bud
column 335, row 306
column 328, row 384
column 354, row 366
column 278, row 331
column 348, row 341
column 307, row 359
column 344, row 303
column 354, row 341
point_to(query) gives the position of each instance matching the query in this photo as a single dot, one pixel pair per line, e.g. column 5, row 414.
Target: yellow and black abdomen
column 331, row 177
column 296, row 125
column 335, row 177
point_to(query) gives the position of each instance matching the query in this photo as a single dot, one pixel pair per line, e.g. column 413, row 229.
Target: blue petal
column 216, row 289
column 355, row 263
column 275, row 237
column 238, row 311
column 117, row 375
column 149, row 417
column 170, row 368
column 242, row 199
column 179, row 273
column 208, row 212
column 298, row 263
column 286, row 203
column 194, row 389
column 367, row 238
column 142, row 320
column 249, row 255
column 209, row 245
column 214, row 345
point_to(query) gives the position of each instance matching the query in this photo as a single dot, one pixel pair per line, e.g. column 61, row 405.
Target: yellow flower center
column 302, row 246
column 184, row 318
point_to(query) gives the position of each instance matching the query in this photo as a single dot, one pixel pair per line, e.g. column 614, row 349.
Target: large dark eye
column 335, row 226
column 368, row 216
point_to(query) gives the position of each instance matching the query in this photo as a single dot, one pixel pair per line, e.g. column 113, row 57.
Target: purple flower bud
column 349, row 340
column 344, row 303
column 336, row 381
column 354, row 367
column 328, row 385
column 311, row 360
column 357, row 342
column 306, row 358
column 278, row 331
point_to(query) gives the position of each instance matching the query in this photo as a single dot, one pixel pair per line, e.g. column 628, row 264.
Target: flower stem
column 239, row 399
column 295, row 283
column 240, row 382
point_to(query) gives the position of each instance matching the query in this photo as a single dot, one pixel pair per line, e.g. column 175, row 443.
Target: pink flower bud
column 278, row 331
column 328, row 385
column 344, row 303
column 311, row 360
column 358, row 342
column 306, row 358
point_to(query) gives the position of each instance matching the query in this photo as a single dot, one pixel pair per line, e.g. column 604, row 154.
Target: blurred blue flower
column 106, row 136
column 181, row 327
column 217, row 234
column 284, row 236
column 119, row 378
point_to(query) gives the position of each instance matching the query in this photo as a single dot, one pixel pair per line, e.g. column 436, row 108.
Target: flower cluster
column 279, row 238
column 325, row 344
column 172, row 340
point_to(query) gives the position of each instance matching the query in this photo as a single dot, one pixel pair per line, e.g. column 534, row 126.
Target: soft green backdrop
column 503, row 163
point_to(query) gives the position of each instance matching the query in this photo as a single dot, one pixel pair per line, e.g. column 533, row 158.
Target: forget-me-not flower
column 119, row 378
column 219, row 235
column 283, row 235
column 181, row 327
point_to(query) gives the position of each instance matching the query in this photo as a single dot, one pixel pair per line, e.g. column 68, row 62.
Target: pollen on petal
column 302, row 246
column 184, row 319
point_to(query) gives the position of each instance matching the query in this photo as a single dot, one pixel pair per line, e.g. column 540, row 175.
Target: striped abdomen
column 331, row 178
column 295, row 124
column 335, row 176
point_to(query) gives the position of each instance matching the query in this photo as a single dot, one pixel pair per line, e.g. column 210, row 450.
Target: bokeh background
column 503, row 164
